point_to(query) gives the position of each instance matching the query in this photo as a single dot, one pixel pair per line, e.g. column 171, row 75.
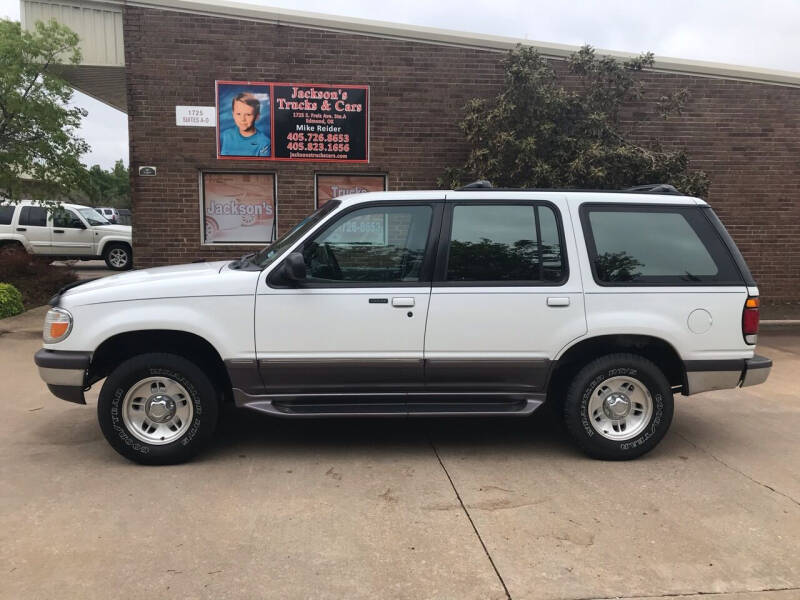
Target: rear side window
column 504, row 243
column 6, row 214
column 33, row 216
column 655, row 245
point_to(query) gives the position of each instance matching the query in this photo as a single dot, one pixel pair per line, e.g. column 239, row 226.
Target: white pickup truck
column 476, row 302
column 70, row 231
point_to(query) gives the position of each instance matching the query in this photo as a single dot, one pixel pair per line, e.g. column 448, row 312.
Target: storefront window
column 239, row 208
column 334, row 185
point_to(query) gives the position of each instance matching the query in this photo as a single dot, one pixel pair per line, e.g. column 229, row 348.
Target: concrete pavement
column 86, row 269
column 449, row 508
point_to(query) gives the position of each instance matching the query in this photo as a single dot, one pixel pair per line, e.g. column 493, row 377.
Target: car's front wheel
column 157, row 409
column 118, row 257
column 618, row 407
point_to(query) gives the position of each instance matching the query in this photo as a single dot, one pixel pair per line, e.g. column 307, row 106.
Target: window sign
column 292, row 121
column 367, row 229
column 239, row 208
column 335, row 185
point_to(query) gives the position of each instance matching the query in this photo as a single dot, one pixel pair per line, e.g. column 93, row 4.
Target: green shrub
column 10, row 301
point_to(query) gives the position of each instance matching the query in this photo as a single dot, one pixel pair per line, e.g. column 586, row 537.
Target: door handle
column 558, row 302
column 22, row 229
column 58, row 231
column 402, row 302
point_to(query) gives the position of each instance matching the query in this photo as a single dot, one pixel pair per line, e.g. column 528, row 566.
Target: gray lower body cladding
column 708, row 375
column 389, row 387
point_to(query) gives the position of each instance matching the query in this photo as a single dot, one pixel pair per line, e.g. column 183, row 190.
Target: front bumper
column 707, row 375
column 64, row 372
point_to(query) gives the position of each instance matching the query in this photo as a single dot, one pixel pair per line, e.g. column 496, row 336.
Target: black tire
column 576, row 406
column 202, row 395
column 118, row 249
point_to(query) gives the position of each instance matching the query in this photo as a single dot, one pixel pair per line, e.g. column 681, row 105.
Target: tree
column 539, row 133
column 38, row 137
column 108, row 188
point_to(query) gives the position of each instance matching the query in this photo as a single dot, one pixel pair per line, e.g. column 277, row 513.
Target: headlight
column 57, row 325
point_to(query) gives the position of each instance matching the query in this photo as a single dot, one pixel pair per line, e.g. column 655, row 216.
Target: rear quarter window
column 655, row 245
column 6, row 214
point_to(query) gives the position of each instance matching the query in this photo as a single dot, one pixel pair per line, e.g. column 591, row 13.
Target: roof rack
column 658, row 188
column 650, row 188
column 481, row 184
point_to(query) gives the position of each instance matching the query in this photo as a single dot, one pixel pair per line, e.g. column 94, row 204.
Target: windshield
column 271, row 253
column 94, row 217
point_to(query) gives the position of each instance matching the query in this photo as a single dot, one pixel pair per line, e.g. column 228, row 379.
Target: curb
column 776, row 323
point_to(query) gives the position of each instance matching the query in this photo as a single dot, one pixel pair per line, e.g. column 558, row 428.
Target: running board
column 391, row 405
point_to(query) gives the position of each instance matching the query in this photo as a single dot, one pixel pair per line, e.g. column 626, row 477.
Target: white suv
column 111, row 214
column 69, row 231
column 478, row 302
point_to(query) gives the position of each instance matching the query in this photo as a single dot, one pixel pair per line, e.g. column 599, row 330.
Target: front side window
column 655, row 246
column 67, row 219
column 371, row 245
column 273, row 252
column 505, row 243
column 94, row 217
column 33, row 216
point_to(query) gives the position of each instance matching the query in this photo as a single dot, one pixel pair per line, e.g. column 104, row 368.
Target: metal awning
column 101, row 73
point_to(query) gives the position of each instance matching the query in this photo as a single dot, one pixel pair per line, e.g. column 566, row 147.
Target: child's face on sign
column 244, row 116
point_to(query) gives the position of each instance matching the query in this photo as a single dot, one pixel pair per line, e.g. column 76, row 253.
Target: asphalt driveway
column 402, row 509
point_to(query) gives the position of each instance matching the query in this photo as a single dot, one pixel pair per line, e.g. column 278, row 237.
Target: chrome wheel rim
column 620, row 408
column 157, row 410
column 118, row 257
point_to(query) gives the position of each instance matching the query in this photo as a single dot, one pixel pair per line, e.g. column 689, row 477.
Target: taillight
column 750, row 320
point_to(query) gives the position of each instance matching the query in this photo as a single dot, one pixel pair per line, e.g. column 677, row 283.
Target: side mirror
column 293, row 268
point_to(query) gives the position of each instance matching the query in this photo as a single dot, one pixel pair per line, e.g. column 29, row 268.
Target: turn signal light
column 57, row 325
column 750, row 319
column 58, row 329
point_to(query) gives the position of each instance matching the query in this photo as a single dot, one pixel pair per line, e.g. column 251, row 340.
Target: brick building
column 741, row 125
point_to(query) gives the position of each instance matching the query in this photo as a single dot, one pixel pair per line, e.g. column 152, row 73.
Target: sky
column 740, row 32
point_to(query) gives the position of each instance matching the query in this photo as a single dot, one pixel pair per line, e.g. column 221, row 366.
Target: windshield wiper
column 238, row 264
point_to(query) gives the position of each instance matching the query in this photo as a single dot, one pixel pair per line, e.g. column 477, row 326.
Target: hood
column 176, row 281
column 119, row 229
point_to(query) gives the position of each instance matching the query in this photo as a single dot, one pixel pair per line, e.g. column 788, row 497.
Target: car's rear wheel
column 157, row 409
column 118, row 257
column 618, row 407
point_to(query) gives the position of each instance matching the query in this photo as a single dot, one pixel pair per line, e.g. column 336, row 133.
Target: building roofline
column 279, row 16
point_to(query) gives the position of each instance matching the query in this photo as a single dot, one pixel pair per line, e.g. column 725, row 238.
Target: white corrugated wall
column 99, row 26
